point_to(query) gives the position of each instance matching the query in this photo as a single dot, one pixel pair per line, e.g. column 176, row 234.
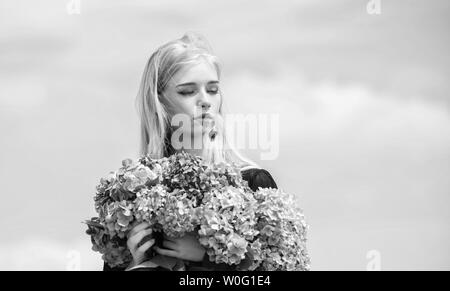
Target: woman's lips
column 205, row 119
column 205, row 116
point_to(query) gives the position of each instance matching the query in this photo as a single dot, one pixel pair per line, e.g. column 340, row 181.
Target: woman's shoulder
column 258, row 177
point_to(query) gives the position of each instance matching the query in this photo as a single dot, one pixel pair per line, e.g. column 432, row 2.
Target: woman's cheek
column 217, row 104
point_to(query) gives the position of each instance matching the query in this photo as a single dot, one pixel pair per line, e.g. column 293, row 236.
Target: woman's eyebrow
column 192, row 83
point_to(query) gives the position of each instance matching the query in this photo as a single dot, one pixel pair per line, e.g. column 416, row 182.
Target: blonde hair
column 155, row 126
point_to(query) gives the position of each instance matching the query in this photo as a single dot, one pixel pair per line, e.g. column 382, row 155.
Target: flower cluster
column 113, row 248
column 228, row 224
column 281, row 242
column 182, row 194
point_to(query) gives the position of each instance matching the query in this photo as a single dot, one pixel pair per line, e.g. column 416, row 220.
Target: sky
column 363, row 101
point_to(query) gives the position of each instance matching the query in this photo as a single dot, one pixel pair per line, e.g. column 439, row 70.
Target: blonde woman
column 180, row 108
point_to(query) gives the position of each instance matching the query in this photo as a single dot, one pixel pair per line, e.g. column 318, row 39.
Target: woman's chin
column 201, row 129
column 207, row 122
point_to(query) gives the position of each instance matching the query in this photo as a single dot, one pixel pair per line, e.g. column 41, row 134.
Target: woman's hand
column 186, row 248
column 135, row 242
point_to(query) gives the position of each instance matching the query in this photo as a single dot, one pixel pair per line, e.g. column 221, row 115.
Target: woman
column 181, row 82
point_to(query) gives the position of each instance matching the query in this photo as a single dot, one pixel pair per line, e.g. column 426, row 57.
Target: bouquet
column 182, row 194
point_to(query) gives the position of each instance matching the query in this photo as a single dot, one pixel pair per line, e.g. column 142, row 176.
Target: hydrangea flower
column 181, row 194
column 281, row 242
column 227, row 224
column 113, row 249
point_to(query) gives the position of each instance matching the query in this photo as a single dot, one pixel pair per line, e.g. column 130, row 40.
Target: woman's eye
column 186, row 92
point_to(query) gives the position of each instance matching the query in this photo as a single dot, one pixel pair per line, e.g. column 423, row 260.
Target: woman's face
column 193, row 91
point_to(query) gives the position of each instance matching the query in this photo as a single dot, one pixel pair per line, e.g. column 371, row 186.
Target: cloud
column 328, row 107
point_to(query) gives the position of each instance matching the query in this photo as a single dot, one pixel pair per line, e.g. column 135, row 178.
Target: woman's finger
column 140, row 233
column 166, row 237
column 133, row 241
column 170, row 245
column 135, row 223
column 165, row 252
column 138, row 228
column 143, row 248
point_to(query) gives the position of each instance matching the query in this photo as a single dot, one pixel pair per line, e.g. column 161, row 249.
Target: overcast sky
column 363, row 102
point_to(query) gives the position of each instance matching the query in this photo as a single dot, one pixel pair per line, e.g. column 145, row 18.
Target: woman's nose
column 204, row 102
column 205, row 105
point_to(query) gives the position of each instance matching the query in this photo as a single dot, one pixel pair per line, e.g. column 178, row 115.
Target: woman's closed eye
column 186, row 92
column 190, row 92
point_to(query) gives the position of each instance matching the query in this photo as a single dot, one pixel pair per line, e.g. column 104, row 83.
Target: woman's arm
column 207, row 265
column 259, row 178
column 106, row 267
